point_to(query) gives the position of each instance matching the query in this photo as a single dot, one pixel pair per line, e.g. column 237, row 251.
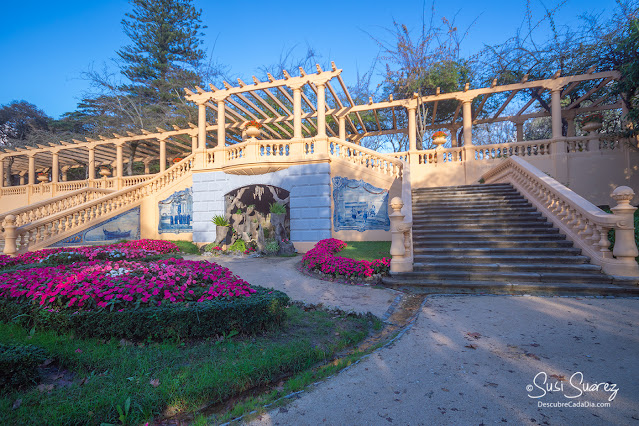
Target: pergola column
column 193, row 144
column 146, row 162
column 297, row 112
column 21, row 178
column 519, row 127
column 31, row 169
column 412, row 128
column 571, row 131
column 65, row 176
column 2, row 173
column 555, row 111
column 559, row 151
column 221, row 123
column 162, row 155
column 119, row 164
column 55, row 165
column 321, row 111
column 91, row 164
column 467, row 115
column 201, row 126
column 342, row 127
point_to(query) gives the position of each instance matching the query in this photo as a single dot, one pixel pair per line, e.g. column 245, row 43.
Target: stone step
column 422, row 202
column 483, row 287
column 465, row 210
column 453, row 221
column 461, row 224
column 486, row 231
column 426, row 242
column 470, row 206
column 468, row 188
column 550, row 252
column 577, row 268
column 511, row 277
column 459, row 198
column 445, row 257
column 475, row 215
column 481, row 237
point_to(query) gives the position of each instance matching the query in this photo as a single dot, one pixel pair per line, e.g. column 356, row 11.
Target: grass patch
column 186, row 247
column 366, row 250
column 165, row 379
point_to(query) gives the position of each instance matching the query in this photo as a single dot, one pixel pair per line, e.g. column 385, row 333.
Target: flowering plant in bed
column 135, row 249
column 322, row 258
column 122, row 284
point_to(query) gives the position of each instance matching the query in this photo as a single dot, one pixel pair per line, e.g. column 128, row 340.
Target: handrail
column 38, row 234
column 582, row 222
column 48, row 207
column 364, row 156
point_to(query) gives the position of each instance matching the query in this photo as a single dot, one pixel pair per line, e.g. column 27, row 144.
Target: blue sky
column 48, row 45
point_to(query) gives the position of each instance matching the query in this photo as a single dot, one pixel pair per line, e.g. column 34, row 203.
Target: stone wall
column 310, row 203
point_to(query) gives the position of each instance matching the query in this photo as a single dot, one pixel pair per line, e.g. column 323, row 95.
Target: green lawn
column 97, row 378
column 186, row 247
column 366, row 250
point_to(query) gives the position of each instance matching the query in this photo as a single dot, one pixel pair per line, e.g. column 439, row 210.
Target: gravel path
column 468, row 360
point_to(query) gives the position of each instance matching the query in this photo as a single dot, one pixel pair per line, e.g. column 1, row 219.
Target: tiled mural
column 359, row 206
column 176, row 212
column 125, row 226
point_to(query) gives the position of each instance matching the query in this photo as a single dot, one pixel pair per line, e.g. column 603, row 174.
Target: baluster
column 604, row 243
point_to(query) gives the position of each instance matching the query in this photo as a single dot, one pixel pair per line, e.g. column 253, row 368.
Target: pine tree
column 165, row 48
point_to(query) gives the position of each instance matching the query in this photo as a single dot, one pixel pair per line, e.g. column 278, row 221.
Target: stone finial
column 623, row 195
column 9, row 220
column 397, row 203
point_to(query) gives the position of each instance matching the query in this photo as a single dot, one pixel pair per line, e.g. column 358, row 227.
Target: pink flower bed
column 122, row 284
column 322, row 258
column 136, row 249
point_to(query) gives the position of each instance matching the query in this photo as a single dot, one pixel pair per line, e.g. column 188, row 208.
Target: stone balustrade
column 41, row 232
column 581, row 221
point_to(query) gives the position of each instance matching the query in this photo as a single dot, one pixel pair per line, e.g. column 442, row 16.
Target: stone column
column 558, row 149
column 221, row 123
column 22, row 179
column 571, row 131
column 55, row 165
column 297, row 112
column 342, row 127
column 91, row 163
column 193, row 144
column 519, row 125
column 413, row 156
column 9, row 224
column 65, row 170
column 201, row 126
column 400, row 231
column 321, row 111
column 2, row 173
column 555, row 110
column 146, row 164
column 467, row 116
column 119, row 165
column 31, row 169
column 162, row 155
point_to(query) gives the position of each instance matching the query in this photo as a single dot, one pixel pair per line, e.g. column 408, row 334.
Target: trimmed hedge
column 247, row 315
column 19, row 365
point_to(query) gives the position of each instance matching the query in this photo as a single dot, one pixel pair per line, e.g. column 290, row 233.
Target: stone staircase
column 490, row 239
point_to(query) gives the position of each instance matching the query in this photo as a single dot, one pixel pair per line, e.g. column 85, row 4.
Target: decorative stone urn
column 105, row 172
column 592, row 126
column 43, row 177
column 439, row 141
column 252, row 132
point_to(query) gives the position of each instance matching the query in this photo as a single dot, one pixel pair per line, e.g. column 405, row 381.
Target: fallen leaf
column 471, row 346
column 473, row 335
column 534, row 345
column 558, row 377
column 533, row 356
column 494, row 385
column 155, row 383
column 445, row 390
column 17, row 403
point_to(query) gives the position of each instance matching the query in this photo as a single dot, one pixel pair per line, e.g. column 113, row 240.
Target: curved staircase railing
column 580, row 220
column 37, row 211
column 53, row 228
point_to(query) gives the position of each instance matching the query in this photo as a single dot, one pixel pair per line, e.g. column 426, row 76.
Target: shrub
column 220, row 220
column 64, row 258
column 322, row 258
column 19, row 364
column 177, row 321
column 238, row 245
column 271, row 247
column 277, row 208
